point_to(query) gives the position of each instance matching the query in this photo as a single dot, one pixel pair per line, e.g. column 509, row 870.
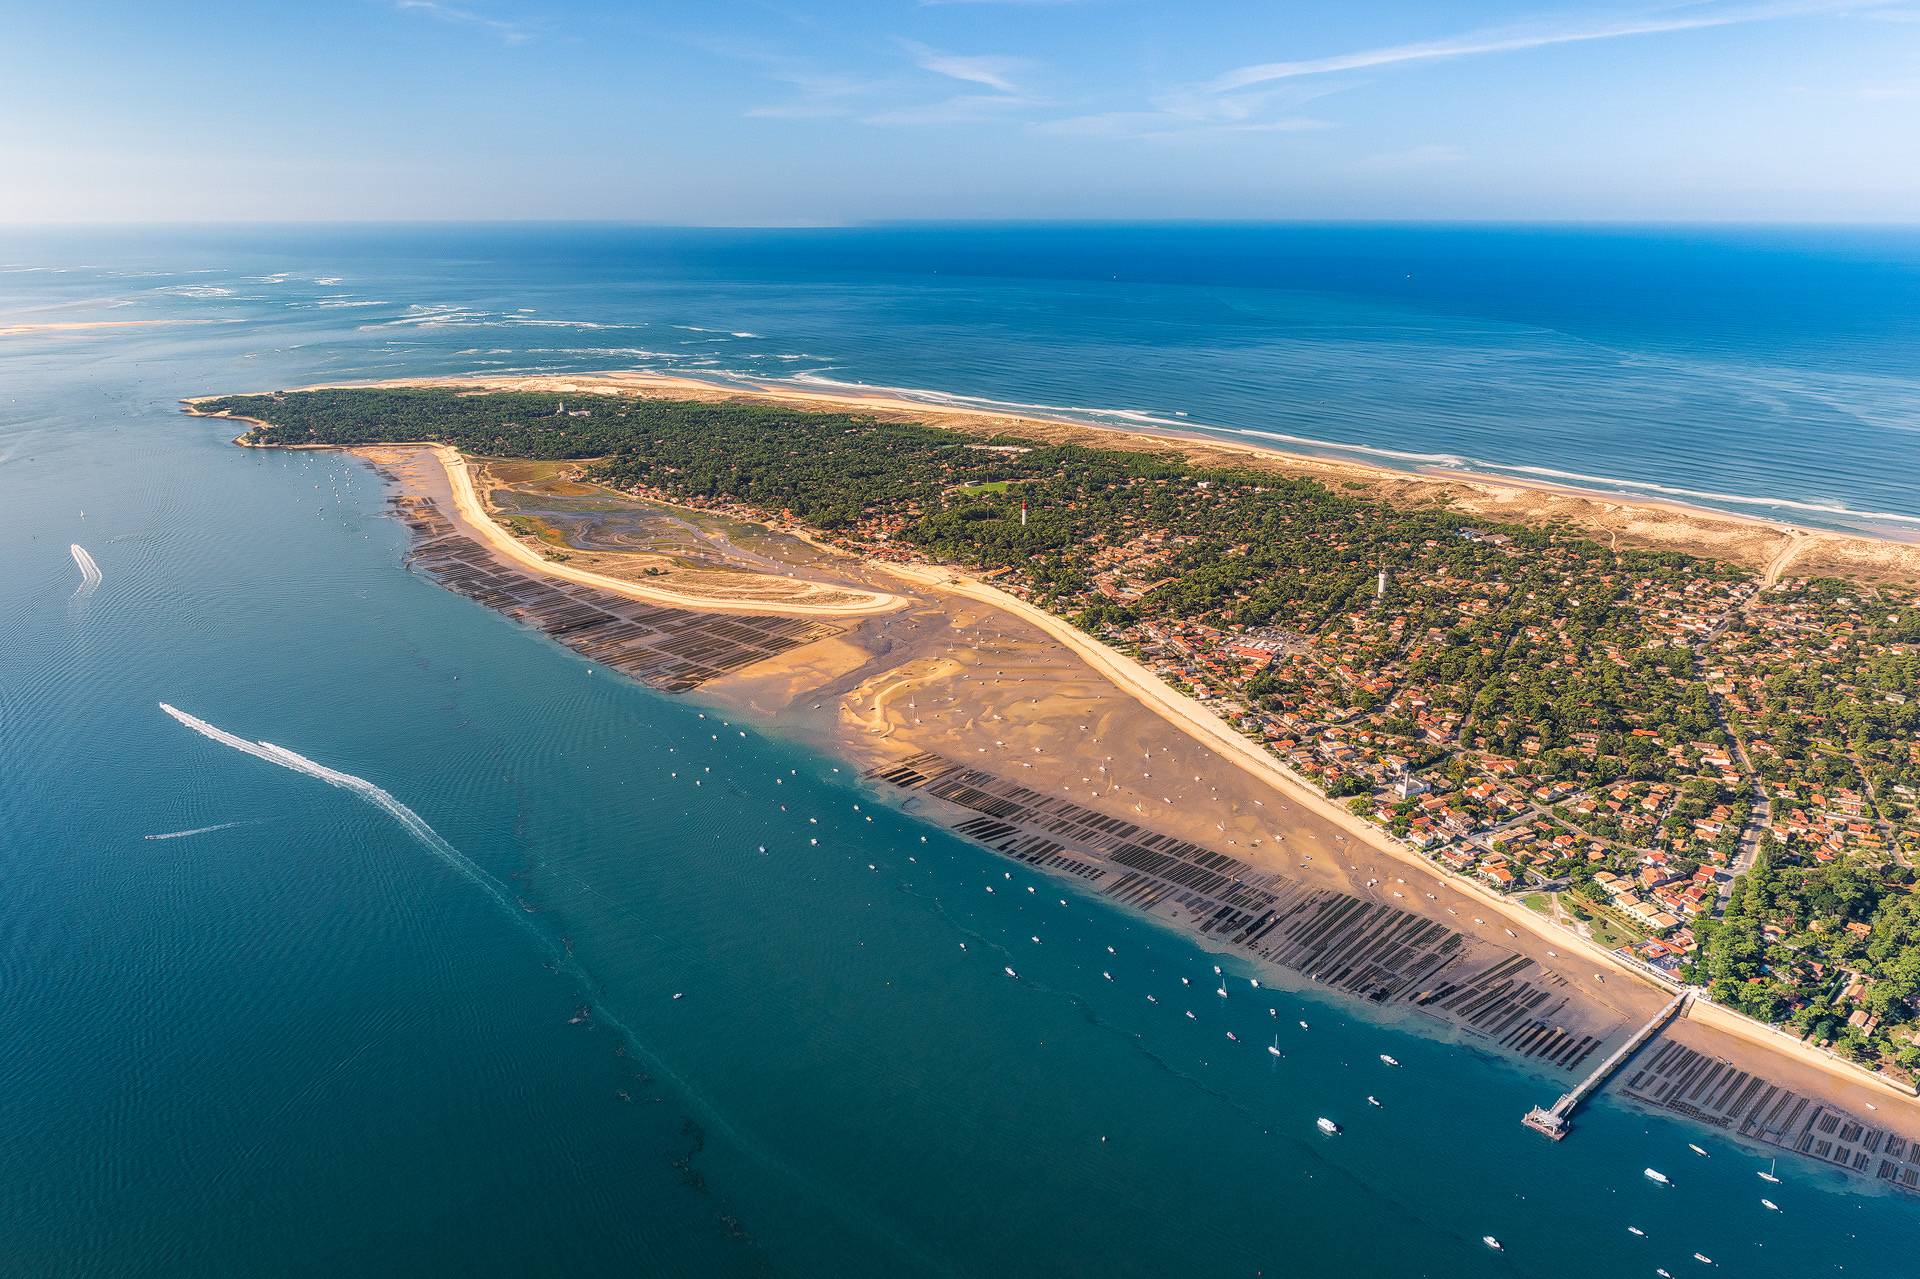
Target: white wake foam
column 90, row 577
column 381, row 799
column 197, row 830
column 89, row 569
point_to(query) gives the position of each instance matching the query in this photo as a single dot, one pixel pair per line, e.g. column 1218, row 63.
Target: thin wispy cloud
column 818, row 96
column 968, row 108
column 900, row 97
column 814, row 94
column 987, row 71
column 510, row 32
column 1167, row 126
column 1194, row 113
column 1517, row 39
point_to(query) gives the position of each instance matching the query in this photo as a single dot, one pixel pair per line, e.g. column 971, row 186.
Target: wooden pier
column 1555, row 1122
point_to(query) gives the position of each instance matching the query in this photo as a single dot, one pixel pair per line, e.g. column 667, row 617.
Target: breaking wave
column 448, row 315
column 1600, row 484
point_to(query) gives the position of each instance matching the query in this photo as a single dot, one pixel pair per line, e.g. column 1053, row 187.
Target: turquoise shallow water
column 305, row 1043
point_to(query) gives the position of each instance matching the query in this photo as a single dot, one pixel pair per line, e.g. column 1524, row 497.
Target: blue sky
column 827, row 111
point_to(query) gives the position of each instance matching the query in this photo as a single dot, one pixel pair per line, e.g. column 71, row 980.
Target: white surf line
column 1602, row 486
column 90, row 575
column 199, row 830
column 381, row 799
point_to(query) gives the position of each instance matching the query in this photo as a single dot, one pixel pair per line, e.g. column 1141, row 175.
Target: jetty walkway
column 1556, row 1121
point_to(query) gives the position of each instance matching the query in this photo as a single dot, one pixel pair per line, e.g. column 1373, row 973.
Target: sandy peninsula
column 936, row 664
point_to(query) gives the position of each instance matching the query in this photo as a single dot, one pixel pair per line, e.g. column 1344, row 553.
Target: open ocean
column 256, row 1023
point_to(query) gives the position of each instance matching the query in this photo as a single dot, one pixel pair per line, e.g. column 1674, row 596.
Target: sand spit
column 959, row 675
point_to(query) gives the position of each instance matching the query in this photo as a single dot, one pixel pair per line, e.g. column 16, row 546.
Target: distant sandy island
column 85, row 326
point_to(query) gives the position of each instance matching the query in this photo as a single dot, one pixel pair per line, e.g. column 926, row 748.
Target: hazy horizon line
column 859, row 224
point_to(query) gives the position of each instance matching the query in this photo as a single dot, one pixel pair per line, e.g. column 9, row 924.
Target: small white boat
column 1106, row 974
column 1770, row 1205
column 1372, row 1100
column 1703, row 1258
column 1011, row 973
column 1696, row 1150
column 1635, row 1230
column 1654, row 1174
column 1190, row 1016
column 1391, row 1061
column 1303, row 1025
column 1768, row 1174
column 1327, row 1126
column 1664, row 1273
column 1235, row 1038
column 1273, row 1049
column 1493, row 1243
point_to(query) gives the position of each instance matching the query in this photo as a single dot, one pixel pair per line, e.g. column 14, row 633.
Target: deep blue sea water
column 306, row 1043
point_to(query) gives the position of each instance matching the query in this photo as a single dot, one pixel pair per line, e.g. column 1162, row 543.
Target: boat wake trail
column 89, row 571
column 381, row 799
column 199, row 830
column 561, row 960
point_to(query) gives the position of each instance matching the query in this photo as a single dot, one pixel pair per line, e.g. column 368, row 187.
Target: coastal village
column 1633, row 832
